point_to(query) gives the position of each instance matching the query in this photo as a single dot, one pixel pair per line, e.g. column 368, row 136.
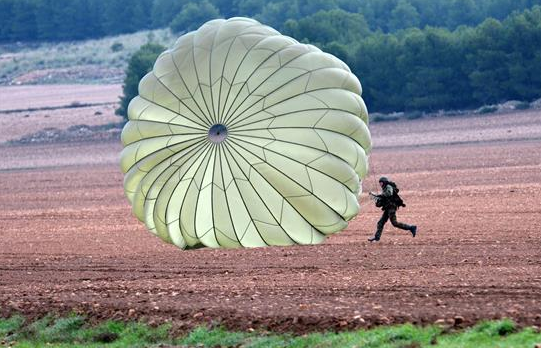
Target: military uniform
column 389, row 207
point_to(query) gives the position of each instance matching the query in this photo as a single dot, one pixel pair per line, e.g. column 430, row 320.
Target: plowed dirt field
column 68, row 240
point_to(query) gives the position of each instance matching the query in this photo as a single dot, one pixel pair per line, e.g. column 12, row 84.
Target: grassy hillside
column 91, row 61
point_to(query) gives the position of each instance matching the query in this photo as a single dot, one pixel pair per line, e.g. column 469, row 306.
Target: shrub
column 506, row 327
column 10, row 325
column 413, row 115
column 377, row 117
column 63, row 329
column 139, row 65
column 522, row 106
column 117, row 47
column 487, row 109
column 496, row 328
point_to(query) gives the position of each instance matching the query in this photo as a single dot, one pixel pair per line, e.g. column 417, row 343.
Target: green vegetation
column 193, row 15
column 74, row 331
column 487, row 109
column 433, row 68
column 139, row 65
column 29, row 20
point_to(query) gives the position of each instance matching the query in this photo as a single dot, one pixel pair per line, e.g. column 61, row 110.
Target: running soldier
column 389, row 201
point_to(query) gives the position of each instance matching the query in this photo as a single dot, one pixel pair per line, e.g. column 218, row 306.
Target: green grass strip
column 74, row 331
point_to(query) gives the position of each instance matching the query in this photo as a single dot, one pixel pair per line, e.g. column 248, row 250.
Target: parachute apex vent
column 217, row 133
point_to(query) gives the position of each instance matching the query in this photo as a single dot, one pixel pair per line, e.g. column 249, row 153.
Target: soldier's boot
column 413, row 230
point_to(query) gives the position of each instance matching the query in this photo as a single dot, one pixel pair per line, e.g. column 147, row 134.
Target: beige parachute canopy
column 243, row 137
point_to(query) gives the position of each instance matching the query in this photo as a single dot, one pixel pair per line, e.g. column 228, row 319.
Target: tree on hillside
column 139, row 65
column 488, row 62
column 524, row 54
column 250, row 7
column 431, row 65
column 404, row 15
column 328, row 26
column 140, row 15
column 309, row 7
column 45, row 20
column 338, row 50
column 163, row 11
column 462, row 12
column 6, row 15
column 193, row 15
column 276, row 13
column 23, row 22
column 377, row 13
column 375, row 65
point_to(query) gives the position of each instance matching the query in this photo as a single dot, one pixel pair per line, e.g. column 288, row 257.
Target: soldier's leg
column 402, row 226
column 381, row 224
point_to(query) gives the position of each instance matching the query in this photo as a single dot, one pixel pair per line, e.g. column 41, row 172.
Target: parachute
column 243, row 137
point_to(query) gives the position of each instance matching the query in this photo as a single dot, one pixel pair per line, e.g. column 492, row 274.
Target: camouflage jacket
column 385, row 198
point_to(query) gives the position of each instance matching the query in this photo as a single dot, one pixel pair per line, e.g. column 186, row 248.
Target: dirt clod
column 458, row 321
column 440, row 322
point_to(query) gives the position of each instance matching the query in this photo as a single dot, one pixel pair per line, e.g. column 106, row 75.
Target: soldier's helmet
column 384, row 179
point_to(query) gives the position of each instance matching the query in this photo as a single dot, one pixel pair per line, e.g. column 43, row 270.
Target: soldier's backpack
column 395, row 198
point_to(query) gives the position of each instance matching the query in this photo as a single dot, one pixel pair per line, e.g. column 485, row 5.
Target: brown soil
column 29, row 125
column 49, row 113
column 80, row 73
column 25, row 97
column 70, row 243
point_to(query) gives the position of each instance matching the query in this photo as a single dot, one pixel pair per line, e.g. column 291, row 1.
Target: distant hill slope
column 90, row 61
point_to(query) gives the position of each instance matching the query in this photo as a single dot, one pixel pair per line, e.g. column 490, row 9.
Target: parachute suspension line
column 371, row 173
column 372, row 169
